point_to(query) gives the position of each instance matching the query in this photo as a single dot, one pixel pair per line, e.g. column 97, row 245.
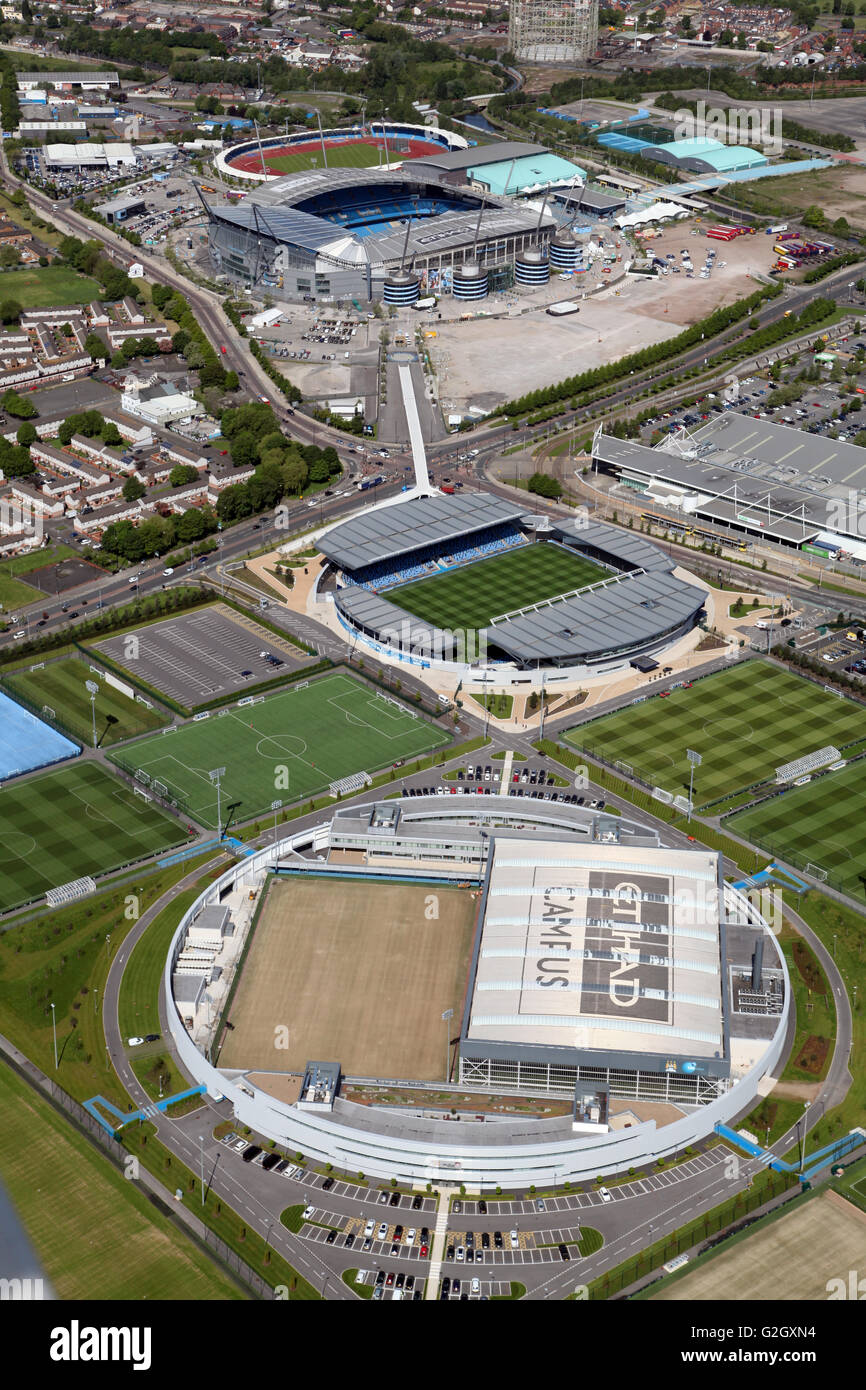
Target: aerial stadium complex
column 583, row 960
column 474, row 580
column 445, row 221
column 361, row 146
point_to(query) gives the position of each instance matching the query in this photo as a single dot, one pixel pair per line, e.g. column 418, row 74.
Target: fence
column 726, row 1218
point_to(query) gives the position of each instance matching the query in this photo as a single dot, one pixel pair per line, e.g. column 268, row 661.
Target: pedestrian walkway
column 506, row 771
column 440, row 1234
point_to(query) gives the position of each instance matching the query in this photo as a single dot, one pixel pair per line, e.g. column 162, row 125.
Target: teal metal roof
column 531, row 171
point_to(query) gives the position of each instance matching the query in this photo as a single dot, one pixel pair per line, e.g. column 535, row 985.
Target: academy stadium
column 473, row 579
column 583, row 961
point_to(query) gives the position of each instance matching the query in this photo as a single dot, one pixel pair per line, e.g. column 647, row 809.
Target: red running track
column 252, row 164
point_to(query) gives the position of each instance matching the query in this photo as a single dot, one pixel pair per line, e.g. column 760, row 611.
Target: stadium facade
column 667, row 1002
column 327, row 234
column 641, row 606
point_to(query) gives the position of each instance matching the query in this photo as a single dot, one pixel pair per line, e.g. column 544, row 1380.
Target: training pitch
column 61, row 686
column 285, row 747
column 744, row 722
column 467, row 598
column 66, row 824
column 791, row 1259
column 820, row 822
column 358, row 972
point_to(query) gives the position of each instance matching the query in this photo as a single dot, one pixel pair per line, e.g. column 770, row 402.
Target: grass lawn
column 819, row 824
column 500, row 706
column 41, row 287
column 96, row 1233
column 289, row 746
column 63, row 957
column 812, row 1051
column 37, row 559
column 138, row 1001
column 14, row 594
column 467, row 598
column 61, row 686
column 343, row 156
column 744, row 722
column 76, row 821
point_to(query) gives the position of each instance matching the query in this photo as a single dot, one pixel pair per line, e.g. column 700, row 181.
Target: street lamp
column 215, row 774
column 695, row 760
column 446, row 1019
column 54, row 1030
column 275, row 806
column 201, row 1153
column 92, row 689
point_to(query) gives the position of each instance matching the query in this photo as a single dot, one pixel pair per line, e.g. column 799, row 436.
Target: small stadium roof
column 632, row 936
column 388, row 532
column 624, row 546
column 537, row 171
column 86, row 79
column 614, row 616
column 386, row 621
column 478, row 155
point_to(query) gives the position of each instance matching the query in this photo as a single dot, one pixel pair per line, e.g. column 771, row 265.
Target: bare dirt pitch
column 791, row 1259
column 357, row 973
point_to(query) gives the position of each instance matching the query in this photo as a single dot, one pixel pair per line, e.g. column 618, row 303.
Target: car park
column 604, row 1194
column 250, row 1152
column 307, row 1213
column 382, row 1232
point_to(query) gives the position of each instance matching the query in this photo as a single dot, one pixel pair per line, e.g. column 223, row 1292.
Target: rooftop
column 387, row 532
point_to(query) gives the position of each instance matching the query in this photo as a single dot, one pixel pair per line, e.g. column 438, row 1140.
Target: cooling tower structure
column 553, row 31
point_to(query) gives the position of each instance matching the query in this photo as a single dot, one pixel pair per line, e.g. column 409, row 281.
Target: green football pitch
column 818, row 824
column 61, row 686
column 467, row 598
column 66, row 824
column 286, row 747
column 340, row 156
column 744, row 722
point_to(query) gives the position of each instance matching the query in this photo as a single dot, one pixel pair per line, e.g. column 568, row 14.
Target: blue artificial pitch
column 27, row 742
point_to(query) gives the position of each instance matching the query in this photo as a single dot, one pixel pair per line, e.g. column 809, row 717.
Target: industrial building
column 699, row 155
column 552, row 31
column 510, row 168
column 374, row 234
column 751, row 477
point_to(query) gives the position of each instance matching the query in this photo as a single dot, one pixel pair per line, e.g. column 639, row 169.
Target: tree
column 19, row 406
column 133, row 490
column 294, row 472
column 9, row 256
column 27, row 433
column 10, row 311
column 182, row 473
column 96, row 346
column 244, row 450
column 545, row 486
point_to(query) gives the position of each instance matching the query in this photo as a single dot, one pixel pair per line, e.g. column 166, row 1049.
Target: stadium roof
column 623, row 546
column 385, row 533
column 478, row 155
column 388, row 622
column 538, row 171
column 628, row 936
column 780, row 480
column 616, row 616
column 276, row 209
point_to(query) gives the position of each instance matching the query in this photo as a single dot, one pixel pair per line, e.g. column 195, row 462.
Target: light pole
column 93, row 690
column 201, row 1153
column 275, row 806
column 215, row 774
column 446, row 1019
column 54, row 1030
column 695, row 760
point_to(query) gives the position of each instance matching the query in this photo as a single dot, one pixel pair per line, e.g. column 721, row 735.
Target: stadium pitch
column 359, row 970
column 467, row 598
column 61, row 686
column 76, row 821
column 744, row 722
column 285, row 747
column 818, row 824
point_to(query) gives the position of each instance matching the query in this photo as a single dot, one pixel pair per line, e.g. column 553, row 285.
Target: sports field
column 469, row 597
column 41, row 287
column 97, row 1235
column 821, row 822
column 61, row 686
column 744, row 722
column 793, row 1258
column 284, row 747
column 360, row 972
column 365, row 153
column 76, row 821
